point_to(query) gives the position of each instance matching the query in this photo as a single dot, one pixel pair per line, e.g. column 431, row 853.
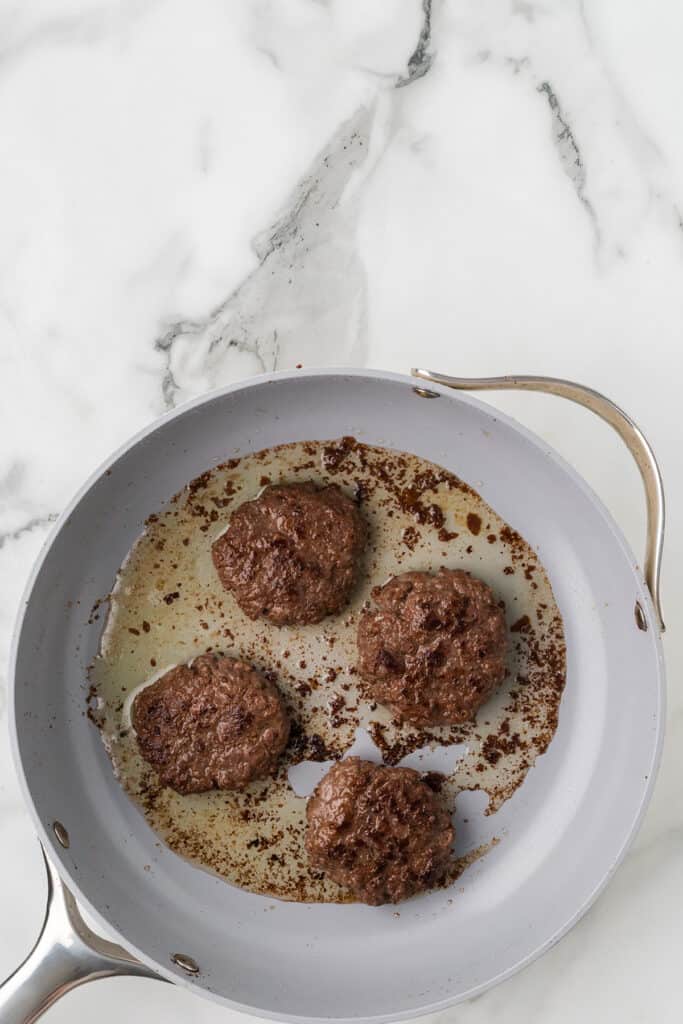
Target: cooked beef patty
column 214, row 723
column 291, row 555
column 381, row 832
column 433, row 646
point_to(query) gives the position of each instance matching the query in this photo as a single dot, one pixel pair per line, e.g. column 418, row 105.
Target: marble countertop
column 194, row 193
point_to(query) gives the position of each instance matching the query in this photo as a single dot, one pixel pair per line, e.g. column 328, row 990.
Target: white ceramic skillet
column 564, row 832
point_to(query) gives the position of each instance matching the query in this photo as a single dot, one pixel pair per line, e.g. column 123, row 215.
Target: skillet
column 565, row 830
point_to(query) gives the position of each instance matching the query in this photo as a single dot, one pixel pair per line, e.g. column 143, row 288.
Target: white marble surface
column 193, row 193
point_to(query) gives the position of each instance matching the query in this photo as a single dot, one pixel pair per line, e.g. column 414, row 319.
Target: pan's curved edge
column 194, row 984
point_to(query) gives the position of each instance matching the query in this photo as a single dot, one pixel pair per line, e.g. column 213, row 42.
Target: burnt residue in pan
column 168, row 606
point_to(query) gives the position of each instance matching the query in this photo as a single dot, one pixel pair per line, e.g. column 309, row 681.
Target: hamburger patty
column 433, row 646
column 291, row 555
column 214, row 723
column 381, row 832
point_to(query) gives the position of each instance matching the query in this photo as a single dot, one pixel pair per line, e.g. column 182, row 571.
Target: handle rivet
column 61, row 834
column 425, row 393
column 189, row 965
column 641, row 621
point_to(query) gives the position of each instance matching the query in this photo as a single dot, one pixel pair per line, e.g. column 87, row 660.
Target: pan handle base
column 628, row 431
column 67, row 954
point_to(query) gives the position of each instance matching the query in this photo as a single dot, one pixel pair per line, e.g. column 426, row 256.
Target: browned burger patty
column 380, row 832
column 433, row 647
column 291, row 555
column 213, row 724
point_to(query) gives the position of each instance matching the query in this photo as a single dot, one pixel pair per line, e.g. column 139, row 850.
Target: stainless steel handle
column 629, row 432
column 67, row 954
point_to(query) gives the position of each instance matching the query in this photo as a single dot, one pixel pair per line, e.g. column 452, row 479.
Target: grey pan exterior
column 565, row 831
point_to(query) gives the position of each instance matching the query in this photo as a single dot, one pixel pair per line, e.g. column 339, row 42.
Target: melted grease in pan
column 167, row 606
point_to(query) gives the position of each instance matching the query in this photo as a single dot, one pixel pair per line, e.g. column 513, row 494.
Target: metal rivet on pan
column 61, row 834
column 424, row 393
column 641, row 621
column 189, row 965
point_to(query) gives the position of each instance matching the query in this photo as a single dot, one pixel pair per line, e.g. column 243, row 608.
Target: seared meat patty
column 381, row 832
column 433, row 646
column 291, row 555
column 214, row 723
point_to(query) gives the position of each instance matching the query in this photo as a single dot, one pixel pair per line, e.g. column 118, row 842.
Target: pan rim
column 645, row 794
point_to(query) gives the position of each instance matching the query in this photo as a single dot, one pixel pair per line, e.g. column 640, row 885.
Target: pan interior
column 564, row 829
column 168, row 606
